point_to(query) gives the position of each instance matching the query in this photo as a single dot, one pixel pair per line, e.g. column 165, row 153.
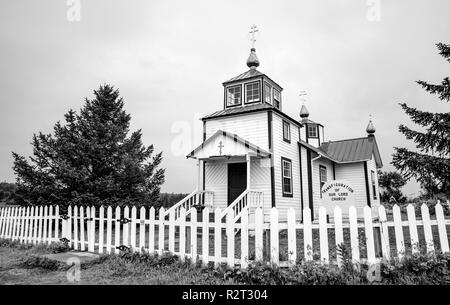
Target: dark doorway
column 237, row 180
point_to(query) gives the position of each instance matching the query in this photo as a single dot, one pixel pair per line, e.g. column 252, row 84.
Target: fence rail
column 207, row 237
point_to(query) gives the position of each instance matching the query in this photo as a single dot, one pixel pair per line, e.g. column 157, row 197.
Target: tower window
column 268, row 93
column 286, row 173
column 312, row 131
column 276, row 98
column 286, row 132
column 322, row 177
column 374, row 190
column 234, row 96
column 252, row 91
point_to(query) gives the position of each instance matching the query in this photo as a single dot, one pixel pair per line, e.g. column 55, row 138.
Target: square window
column 312, row 131
column 252, row 91
column 234, row 96
column 276, row 98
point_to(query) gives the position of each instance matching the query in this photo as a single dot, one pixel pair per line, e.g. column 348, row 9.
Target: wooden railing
column 196, row 198
column 247, row 199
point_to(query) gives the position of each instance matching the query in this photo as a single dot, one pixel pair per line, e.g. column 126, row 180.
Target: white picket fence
column 200, row 236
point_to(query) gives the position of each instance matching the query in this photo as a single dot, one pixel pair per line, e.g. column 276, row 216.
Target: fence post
column 369, row 235
column 427, row 228
column 230, row 238
column 193, row 243
column 244, row 239
column 339, row 236
column 151, row 231
column 292, row 237
column 56, row 222
column 82, row 236
column 442, row 228
column 142, row 214
column 92, row 230
column 161, row 229
column 50, row 224
column 108, row 229
column 182, row 236
column 69, row 225
column 307, row 234
column 259, row 234
column 172, row 231
column 101, row 228
column 133, row 229
column 76, row 221
column 126, row 227
column 27, row 225
column 400, row 243
column 274, row 237
column 354, row 240
column 384, row 232
column 205, row 236
column 44, row 233
column 217, row 237
column 413, row 228
column 117, row 230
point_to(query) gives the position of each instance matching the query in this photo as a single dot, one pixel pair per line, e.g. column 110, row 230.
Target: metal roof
column 348, row 151
column 238, row 109
column 250, row 73
column 353, row 150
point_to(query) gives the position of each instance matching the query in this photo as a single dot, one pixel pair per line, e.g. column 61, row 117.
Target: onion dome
column 370, row 128
column 252, row 61
column 304, row 113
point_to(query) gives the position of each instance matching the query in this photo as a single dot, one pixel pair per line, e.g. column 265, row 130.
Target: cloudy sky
column 169, row 59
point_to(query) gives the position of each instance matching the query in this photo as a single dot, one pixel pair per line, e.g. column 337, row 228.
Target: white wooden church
column 255, row 155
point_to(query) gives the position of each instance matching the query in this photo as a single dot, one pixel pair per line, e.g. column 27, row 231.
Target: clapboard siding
column 371, row 166
column 216, row 175
column 317, row 200
column 304, row 173
column 250, row 127
column 290, row 151
column 260, row 179
column 353, row 173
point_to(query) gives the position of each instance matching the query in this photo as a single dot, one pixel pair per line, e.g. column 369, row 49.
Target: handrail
column 248, row 198
column 194, row 198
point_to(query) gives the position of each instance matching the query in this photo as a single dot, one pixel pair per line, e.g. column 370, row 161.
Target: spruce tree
column 90, row 159
column 430, row 165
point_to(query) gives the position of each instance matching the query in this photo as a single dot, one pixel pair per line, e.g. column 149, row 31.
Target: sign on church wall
column 337, row 192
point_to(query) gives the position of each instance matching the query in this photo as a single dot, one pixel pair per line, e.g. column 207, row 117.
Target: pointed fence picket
column 85, row 230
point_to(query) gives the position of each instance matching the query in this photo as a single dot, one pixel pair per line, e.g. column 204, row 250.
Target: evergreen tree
column 391, row 183
column 431, row 164
column 90, row 159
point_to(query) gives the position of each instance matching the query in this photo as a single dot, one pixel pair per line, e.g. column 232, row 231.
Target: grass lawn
column 112, row 270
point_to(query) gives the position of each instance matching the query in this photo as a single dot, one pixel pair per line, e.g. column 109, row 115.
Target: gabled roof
column 353, row 150
column 250, row 73
column 252, row 147
column 348, row 151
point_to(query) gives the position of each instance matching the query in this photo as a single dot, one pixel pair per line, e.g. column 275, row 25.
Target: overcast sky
column 169, row 59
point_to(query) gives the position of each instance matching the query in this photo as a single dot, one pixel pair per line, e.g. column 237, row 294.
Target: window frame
column 269, row 95
column 316, row 127
column 291, row 193
column 227, row 96
column 373, row 181
column 321, row 182
column 286, row 123
column 259, row 92
column 276, row 102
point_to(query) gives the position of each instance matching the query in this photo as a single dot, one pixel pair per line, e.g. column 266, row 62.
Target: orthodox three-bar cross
column 220, row 148
column 253, row 30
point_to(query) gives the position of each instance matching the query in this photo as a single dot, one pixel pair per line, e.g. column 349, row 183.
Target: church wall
column 375, row 203
column 353, row 173
column 290, row 151
column 216, row 180
column 317, row 199
column 251, row 127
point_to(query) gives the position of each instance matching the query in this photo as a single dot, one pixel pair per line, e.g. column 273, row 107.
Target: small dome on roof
column 252, row 61
column 370, row 128
column 304, row 113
